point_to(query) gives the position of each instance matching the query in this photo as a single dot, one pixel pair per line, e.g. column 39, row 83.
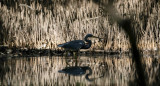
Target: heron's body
column 73, row 45
column 76, row 45
column 75, row 71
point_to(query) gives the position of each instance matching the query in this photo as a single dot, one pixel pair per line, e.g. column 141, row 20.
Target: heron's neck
column 90, row 73
column 88, row 44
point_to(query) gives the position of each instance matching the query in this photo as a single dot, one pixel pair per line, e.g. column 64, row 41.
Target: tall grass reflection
column 37, row 71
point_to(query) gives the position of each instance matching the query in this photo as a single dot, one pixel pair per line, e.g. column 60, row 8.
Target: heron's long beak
column 97, row 37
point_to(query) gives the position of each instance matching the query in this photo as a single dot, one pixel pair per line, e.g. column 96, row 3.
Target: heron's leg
column 67, row 64
column 76, row 62
column 66, row 55
column 75, row 57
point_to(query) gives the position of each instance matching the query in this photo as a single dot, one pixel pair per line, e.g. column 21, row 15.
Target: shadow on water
column 86, row 70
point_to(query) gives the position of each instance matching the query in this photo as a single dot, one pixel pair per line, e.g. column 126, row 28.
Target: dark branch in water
column 126, row 26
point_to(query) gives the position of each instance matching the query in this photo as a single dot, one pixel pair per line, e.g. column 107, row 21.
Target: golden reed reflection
column 44, row 71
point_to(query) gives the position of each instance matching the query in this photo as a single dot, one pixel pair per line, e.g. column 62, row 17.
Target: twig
column 24, row 5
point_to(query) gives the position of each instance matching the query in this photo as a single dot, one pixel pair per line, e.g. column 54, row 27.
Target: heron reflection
column 77, row 71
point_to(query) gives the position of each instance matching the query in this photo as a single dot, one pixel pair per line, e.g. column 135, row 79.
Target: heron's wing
column 74, row 45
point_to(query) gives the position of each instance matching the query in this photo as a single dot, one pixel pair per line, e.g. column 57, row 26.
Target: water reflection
column 77, row 70
column 40, row 71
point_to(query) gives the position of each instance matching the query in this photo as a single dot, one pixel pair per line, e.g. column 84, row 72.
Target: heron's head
column 90, row 35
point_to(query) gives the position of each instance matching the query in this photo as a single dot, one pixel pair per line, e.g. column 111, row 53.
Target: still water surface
column 66, row 71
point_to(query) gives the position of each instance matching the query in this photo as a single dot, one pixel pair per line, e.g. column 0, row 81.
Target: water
column 67, row 71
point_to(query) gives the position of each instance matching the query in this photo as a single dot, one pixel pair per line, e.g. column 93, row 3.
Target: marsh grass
column 44, row 25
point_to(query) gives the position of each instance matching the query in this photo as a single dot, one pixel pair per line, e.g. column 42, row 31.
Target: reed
column 43, row 25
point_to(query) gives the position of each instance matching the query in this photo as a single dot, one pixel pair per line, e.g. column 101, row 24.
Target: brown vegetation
column 44, row 25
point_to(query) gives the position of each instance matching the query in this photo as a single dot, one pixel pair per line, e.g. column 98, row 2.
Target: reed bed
column 43, row 25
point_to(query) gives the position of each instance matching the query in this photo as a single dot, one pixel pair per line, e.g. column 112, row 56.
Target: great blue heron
column 76, row 45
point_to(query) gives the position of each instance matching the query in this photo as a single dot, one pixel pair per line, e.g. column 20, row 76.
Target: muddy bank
column 5, row 51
